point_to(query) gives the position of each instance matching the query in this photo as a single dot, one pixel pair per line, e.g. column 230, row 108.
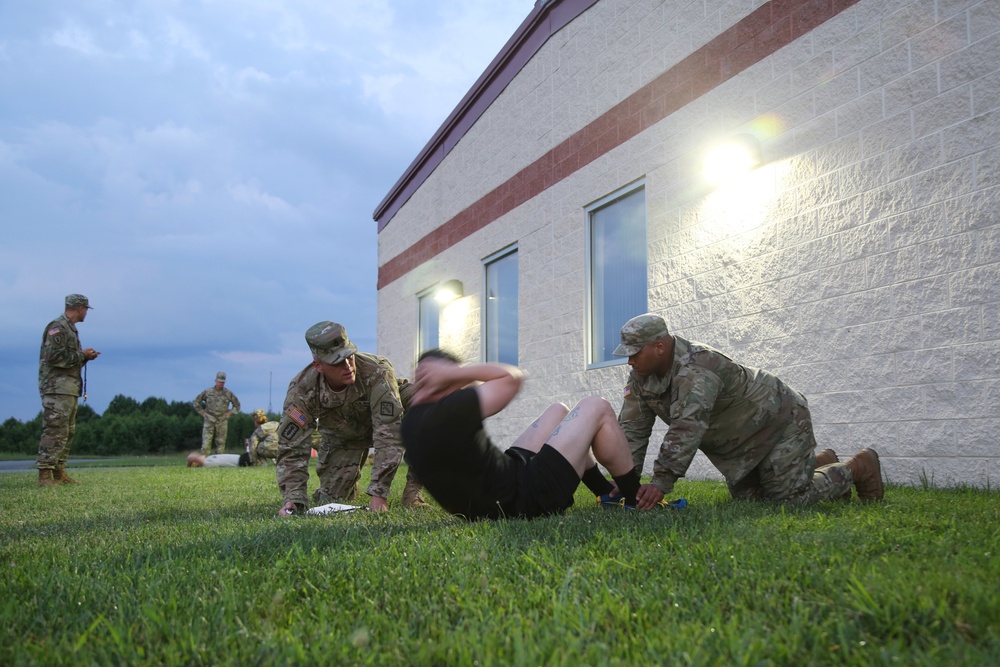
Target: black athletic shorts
column 546, row 482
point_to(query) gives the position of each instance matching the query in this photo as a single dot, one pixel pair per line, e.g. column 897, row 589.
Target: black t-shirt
column 448, row 450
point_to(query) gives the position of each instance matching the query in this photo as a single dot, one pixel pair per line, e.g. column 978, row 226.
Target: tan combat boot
column 867, row 472
column 412, row 496
column 45, row 477
column 826, row 457
column 62, row 477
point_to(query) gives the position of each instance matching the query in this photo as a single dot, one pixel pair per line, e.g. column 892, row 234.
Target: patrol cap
column 77, row 300
column 639, row 332
column 329, row 343
column 220, row 376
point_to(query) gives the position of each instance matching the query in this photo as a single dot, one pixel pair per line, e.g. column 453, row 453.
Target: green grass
column 86, row 461
column 171, row 566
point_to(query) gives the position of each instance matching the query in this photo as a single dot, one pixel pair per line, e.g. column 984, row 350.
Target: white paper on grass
column 332, row 507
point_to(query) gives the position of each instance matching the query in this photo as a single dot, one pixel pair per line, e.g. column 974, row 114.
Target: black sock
column 628, row 485
column 596, row 482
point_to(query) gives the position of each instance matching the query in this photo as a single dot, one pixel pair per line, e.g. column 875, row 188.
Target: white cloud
column 206, row 173
column 76, row 38
column 251, row 193
column 184, row 39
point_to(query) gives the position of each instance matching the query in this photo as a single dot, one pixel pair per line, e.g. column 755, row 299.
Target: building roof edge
column 545, row 19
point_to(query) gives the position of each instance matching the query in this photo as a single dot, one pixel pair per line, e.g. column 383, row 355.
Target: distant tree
column 14, row 437
column 153, row 405
column 86, row 414
column 121, row 405
column 126, row 427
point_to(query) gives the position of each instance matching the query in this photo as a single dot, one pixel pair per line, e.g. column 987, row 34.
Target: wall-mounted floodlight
column 448, row 291
column 731, row 158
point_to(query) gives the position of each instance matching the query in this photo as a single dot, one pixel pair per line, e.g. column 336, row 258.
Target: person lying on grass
column 196, row 460
column 447, row 447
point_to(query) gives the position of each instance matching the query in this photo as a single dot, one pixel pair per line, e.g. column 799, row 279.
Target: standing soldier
column 263, row 442
column 60, row 383
column 356, row 399
column 213, row 405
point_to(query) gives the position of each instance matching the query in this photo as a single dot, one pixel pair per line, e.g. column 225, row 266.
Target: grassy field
column 144, row 461
column 174, row 566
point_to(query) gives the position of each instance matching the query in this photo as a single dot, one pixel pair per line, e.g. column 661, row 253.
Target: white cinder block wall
column 861, row 262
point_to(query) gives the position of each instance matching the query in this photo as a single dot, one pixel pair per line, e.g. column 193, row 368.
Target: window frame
column 589, row 211
column 512, row 249
column 427, row 293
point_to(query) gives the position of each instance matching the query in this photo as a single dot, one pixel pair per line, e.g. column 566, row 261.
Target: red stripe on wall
column 758, row 35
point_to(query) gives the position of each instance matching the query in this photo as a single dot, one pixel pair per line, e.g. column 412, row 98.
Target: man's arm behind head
column 437, row 377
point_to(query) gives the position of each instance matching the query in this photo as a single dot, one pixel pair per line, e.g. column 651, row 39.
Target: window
column 500, row 307
column 616, row 269
column 428, row 320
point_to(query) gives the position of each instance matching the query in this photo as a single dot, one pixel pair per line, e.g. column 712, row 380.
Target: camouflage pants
column 214, row 431
column 338, row 466
column 639, row 454
column 787, row 474
column 58, row 427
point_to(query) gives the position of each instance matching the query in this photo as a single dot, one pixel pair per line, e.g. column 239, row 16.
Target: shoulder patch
column 54, row 330
column 628, row 390
column 387, row 409
column 289, row 431
column 297, row 416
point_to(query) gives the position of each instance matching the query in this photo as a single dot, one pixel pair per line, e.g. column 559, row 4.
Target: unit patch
column 387, row 409
column 289, row 432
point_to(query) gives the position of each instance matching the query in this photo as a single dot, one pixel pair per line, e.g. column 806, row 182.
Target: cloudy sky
column 206, row 172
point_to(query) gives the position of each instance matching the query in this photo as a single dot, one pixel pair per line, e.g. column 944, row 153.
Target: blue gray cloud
column 206, row 172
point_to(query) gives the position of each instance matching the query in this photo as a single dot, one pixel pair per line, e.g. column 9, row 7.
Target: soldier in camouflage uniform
column 752, row 426
column 358, row 404
column 263, row 443
column 215, row 405
column 60, row 362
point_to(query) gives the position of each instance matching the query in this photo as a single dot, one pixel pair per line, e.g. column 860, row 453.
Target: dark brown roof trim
column 762, row 32
column 546, row 19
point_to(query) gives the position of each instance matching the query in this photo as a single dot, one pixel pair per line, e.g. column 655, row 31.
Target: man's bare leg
column 592, row 425
column 537, row 434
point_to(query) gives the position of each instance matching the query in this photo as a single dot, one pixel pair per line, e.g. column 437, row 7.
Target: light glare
column 727, row 161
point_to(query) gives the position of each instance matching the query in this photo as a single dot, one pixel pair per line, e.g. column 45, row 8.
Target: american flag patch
column 297, row 416
column 53, row 331
column 628, row 391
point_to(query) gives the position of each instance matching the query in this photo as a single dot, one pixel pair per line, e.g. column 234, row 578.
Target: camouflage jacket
column 264, row 442
column 213, row 403
column 367, row 413
column 732, row 413
column 60, row 360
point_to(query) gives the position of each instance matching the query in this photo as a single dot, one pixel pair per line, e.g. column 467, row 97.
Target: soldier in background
column 354, row 399
column 752, row 426
column 216, row 404
column 60, row 382
column 263, row 442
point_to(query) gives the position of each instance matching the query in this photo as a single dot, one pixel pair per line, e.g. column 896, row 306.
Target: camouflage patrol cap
column 639, row 332
column 329, row 343
column 220, row 376
column 77, row 300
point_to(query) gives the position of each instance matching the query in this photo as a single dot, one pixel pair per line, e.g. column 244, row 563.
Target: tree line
column 128, row 427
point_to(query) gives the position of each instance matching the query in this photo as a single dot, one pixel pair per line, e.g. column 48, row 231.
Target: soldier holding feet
column 752, row 426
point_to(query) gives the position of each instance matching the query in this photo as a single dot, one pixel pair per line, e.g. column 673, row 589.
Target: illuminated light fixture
column 731, row 158
column 448, row 291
